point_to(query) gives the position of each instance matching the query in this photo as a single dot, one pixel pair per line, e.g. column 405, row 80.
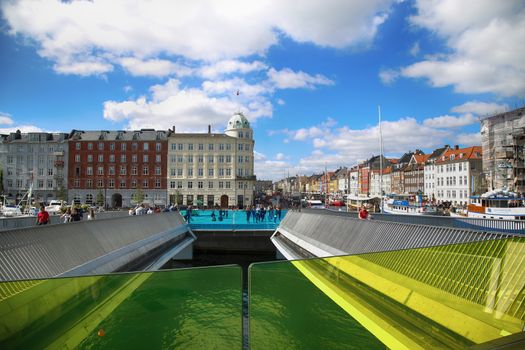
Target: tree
column 1, row 180
column 138, row 196
column 61, row 193
column 100, row 198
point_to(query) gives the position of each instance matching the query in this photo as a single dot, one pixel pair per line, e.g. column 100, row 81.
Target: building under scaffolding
column 503, row 141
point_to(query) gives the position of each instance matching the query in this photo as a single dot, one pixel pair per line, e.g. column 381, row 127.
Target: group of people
column 222, row 215
column 142, row 210
column 75, row 214
column 258, row 213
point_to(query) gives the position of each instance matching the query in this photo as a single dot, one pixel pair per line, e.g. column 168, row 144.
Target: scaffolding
column 503, row 143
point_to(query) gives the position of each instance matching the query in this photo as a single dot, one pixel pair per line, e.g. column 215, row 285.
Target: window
column 201, row 146
column 228, row 172
column 190, row 146
column 228, row 159
column 190, row 159
column 179, row 159
column 77, row 171
column 145, row 146
column 157, row 158
column 77, row 146
column 133, row 158
column 101, row 158
column 134, row 170
column 200, row 158
column 200, row 172
column 173, row 171
column 221, row 184
column 173, row 159
column 112, row 158
column 157, row 170
column 247, row 147
column 221, row 146
column 122, row 183
column 89, row 183
column 190, row 172
column 134, row 183
column 157, row 183
column 190, row 184
column 89, row 170
column 145, row 183
column 112, row 146
column 228, row 146
column 239, row 172
column 221, row 159
column 90, row 158
column 221, row 172
column 240, row 146
column 241, row 134
column 210, row 172
column 100, row 146
column 77, row 158
column 122, row 146
column 180, row 146
column 179, row 172
column 241, row 185
column 100, row 183
column 210, row 184
column 49, row 183
column 246, row 159
column 172, row 184
column 145, row 158
column 200, row 184
column 134, row 146
column 158, row 147
column 122, row 170
column 76, row 183
column 145, row 170
column 179, row 184
column 210, row 147
column 40, row 171
column 210, row 159
column 239, row 159
column 123, row 158
column 247, row 135
column 111, row 170
column 100, row 170
column 173, row 146
column 228, row 184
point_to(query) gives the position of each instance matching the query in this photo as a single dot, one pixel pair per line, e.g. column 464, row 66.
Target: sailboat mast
column 380, row 158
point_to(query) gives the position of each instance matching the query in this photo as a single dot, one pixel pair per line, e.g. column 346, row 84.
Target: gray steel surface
column 342, row 234
column 51, row 250
column 503, row 226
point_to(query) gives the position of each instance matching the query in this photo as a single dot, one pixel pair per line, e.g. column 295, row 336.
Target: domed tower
column 238, row 126
column 243, row 160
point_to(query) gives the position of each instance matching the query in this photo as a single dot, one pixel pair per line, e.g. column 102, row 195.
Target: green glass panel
column 198, row 308
column 287, row 311
column 450, row 296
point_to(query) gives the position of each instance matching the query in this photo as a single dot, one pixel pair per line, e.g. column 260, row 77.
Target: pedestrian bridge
column 392, row 284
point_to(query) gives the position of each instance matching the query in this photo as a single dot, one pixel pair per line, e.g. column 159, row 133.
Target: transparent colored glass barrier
column 441, row 297
column 196, row 308
column 232, row 220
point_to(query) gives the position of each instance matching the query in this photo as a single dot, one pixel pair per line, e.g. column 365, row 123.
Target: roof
column 461, row 154
column 238, row 121
column 119, row 135
column 420, row 158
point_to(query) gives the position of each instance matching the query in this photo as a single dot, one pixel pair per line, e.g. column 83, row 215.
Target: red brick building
column 120, row 166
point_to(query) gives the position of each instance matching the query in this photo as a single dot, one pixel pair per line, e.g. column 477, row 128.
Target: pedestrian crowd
column 257, row 213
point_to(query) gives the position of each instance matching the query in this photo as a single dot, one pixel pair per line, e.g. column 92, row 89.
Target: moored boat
column 407, row 205
column 497, row 204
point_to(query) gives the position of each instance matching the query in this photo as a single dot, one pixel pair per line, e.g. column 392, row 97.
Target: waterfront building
column 375, row 182
column 38, row 159
column 342, row 180
column 398, row 174
column 413, row 177
column 212, row 168
column 117, row 168
column 263, row 186
column 459, row 175
column 503, row 143
column 430, row 172
column 354, row 180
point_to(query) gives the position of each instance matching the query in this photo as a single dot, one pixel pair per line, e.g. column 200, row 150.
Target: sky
column 308, row 75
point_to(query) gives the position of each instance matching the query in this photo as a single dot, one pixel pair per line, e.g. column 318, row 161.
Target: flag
column 238, row 93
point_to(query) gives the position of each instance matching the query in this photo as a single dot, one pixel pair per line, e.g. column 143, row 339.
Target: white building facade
column 212, row 169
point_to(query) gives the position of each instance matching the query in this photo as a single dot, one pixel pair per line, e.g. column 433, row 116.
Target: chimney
column 456, row 147
column 209, row 129
column 174, row 129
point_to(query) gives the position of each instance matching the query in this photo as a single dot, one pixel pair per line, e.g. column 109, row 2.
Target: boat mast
column 380, row 158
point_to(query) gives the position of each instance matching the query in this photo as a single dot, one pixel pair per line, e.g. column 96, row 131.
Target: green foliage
column 137, row 197
column 100, row 198
column 61, row 193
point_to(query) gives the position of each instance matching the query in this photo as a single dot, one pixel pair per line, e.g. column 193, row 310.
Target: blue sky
column 310, row 76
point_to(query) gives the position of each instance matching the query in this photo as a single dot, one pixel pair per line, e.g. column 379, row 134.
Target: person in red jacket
column 43, row 216
column 363, row 213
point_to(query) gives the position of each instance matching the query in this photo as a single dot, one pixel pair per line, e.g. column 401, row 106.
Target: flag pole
column 380, row 159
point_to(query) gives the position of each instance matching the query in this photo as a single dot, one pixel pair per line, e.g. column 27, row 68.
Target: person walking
column 42, row 217
column 91, row 214
column 75, row 215
column 248, row 213
column 66, row 216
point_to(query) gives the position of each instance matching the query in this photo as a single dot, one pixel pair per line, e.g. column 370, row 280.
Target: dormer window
column 461, row 155
column 452, row 156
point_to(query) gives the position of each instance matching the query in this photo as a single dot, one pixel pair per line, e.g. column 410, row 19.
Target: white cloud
column 99, row 33
column 258, row 156
column 469, row 139
column 153, row 67
column 288, row 79
column 190, row 109
column 225, row 67
column 448, row 121
column 127, row 88
column 22, row 128
column 480, row 108
column 6, row 119
column 280, row 102
column 414, row 50
column 482, row 37
column 388, row 76
column 279, row 156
